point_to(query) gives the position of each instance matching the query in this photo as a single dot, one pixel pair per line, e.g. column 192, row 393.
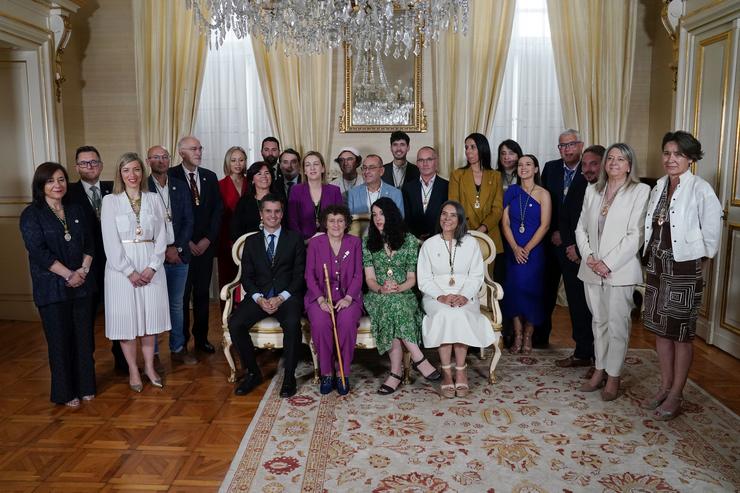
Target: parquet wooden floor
column 180, row 439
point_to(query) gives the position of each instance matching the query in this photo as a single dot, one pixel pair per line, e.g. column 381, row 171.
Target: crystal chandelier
column 376, row 102
column 308, row 27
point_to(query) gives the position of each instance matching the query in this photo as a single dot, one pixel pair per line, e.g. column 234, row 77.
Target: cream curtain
column 170, row 62
column 467, row 76
column 594, row 45
column 297, row 92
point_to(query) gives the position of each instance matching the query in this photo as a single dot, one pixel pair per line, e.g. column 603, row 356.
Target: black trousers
column 69, row 337
column 198, row 286
column 580, row 315
column 249, row 313
column 541, row 335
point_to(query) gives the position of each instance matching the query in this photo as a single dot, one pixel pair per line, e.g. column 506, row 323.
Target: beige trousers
column 611, row 307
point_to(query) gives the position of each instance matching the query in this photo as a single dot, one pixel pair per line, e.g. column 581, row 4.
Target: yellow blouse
column 490, row 200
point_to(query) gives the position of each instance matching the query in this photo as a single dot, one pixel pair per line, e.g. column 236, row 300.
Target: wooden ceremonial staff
column 334, row 325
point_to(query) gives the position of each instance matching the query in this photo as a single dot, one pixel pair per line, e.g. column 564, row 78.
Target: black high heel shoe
column 432, row 377
column 387, row 389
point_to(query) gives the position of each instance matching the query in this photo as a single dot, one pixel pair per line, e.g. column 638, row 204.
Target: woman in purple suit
column 342, row 254
column 309, row 198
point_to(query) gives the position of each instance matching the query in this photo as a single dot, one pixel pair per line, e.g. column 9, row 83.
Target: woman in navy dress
column 524, row 224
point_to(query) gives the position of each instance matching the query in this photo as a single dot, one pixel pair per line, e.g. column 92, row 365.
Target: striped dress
column 132, row 312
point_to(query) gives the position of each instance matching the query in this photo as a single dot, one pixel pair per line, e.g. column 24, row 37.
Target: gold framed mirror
column 382, row 93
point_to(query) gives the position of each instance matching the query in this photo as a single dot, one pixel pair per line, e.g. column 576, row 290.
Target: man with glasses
column 558, row 177
column 175, row 199
column 349, row 160
column 399, row 171
column 207, row 206
column 361, row 197
column 423, row 197
column 89, row 193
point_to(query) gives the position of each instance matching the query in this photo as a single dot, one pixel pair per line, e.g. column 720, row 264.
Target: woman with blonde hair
column 232, row 186
column 309, row 198
column 135, row 240
column 609, row 236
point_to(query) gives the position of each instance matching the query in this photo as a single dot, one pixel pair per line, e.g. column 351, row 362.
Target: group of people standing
column 585, row 217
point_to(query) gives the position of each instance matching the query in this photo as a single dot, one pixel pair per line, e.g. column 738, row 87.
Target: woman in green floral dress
column 389, row 254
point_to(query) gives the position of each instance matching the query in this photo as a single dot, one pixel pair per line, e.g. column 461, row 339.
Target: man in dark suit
column 558, row 177
column 175, row 198
column 423, row 197
column 207, row 208
column 270, row 151
column 290, row 167
column 89, row 193
column 580, row 316
column 399, row 171
column 273, row 264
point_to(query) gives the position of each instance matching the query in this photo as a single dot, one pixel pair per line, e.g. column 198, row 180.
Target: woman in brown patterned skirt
column 682, row 228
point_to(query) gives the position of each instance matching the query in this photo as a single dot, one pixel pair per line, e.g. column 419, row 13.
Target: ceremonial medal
column 67, row 237
column 477, row 203
column 521, row 228
column 452, row 281
column 139, row 231
column 389, row 273
column 661, row 220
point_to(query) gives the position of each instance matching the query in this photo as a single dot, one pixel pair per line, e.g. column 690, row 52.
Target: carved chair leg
column 315, row 359
column 406, row 367
column 226, row 343
column 494, row 361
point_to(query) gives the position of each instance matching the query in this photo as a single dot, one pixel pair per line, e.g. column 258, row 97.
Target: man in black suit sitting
column 273, row 265
column 207, row 208
column 399, row 171
column 89, row 193
column 423, row 197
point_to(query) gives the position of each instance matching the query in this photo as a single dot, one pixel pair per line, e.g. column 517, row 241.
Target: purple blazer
column 350, row 270
column 300, row 207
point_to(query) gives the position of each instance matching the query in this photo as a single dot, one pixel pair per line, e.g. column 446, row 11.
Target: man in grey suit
column 361, row 197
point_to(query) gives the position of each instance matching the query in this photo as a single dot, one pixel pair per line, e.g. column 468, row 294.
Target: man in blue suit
column 361, row 197
column 175, row 199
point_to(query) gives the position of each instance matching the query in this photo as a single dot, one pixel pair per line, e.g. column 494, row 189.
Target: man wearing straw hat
column 273, row 263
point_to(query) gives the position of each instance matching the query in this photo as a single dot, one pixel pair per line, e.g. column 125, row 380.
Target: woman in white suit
column 609, row 236
column 135, row 239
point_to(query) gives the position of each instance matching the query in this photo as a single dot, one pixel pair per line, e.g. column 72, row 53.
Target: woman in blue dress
column 524, row 224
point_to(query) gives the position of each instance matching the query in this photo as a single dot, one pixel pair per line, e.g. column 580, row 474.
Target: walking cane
column 334, row 325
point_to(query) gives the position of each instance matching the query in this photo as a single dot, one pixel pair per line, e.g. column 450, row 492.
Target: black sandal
column 387, row 389
column 432, row 377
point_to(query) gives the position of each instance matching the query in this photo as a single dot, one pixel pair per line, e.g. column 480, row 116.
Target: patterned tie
column 96, row 200
column 271, row 257
column 194, row 189
column 567, row 180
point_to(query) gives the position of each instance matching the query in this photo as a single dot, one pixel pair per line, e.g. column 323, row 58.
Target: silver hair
column 571, row 131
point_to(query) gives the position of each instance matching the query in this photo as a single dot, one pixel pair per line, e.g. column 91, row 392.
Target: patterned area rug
column 530, row 432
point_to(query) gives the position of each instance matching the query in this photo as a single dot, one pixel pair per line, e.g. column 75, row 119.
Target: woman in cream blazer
column 609, row 236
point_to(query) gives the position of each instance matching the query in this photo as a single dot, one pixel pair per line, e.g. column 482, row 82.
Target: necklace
column 161, row 197
column 426, row 192
column 136, row 207
column 451, row 251
column 67, row 235
column 370, row 194
column 477, row 189
column 606, row 202
column 347, row 185
column 390, row 253
column 523, row 210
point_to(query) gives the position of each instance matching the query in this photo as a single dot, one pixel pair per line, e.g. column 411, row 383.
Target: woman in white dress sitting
column 450, row 273
column 135, row 239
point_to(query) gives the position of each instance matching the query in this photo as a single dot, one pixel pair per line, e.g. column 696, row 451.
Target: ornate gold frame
column 419, row 119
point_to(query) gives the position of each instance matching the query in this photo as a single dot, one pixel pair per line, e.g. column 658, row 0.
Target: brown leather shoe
column 183, row 356
column 572, row 362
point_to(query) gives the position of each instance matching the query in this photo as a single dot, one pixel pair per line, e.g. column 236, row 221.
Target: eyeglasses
column 569, row 144
column 89, row 164
column 161, row 157
column 370, row 168
column 427, row 160
column 341, row 160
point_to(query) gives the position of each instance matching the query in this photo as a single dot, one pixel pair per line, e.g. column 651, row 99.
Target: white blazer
column 619, row 245
column 695, row 215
